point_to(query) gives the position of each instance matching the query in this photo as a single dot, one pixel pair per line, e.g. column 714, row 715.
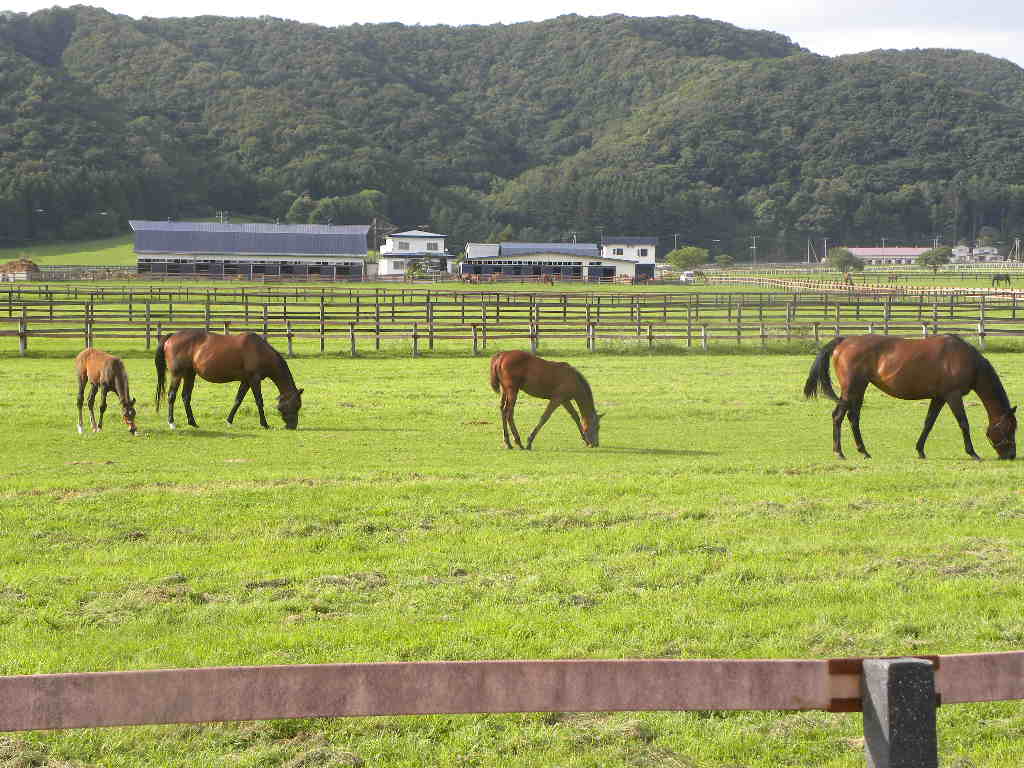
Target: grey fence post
column 899, row 713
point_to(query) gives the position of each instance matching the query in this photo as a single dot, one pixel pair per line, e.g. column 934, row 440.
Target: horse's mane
column 284, row 366
column 984, row 366
column 585, row 385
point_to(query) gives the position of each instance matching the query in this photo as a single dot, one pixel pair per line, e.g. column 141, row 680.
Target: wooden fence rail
column 336, row 334
column 96, row 699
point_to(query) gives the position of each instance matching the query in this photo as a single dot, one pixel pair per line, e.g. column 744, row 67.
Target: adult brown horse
column 105, row 372
column 559, row 383
column 940, row 368
column 244, row 357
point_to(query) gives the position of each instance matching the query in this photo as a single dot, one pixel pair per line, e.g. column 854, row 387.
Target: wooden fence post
column 704, row 336
column 23, row 333
column 288, row 331
column 476, row 344
column 265, row 329
column 415, row 340
column 899, row 700
column 352, row 337
column 323, row 324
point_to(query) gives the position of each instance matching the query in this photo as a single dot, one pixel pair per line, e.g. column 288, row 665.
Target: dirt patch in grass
column 368, row 580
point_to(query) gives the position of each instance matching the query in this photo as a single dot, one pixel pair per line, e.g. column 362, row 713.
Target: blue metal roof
column 616, row 240
column 581, row 250
column 187, row 237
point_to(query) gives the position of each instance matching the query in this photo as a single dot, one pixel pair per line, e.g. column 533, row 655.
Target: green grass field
column 111, row 251
column 712, row 522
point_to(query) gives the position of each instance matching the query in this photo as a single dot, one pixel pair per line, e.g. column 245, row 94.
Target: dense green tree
column 724, row 260
column 841, row 260
column 935, row 257
column 687, row 257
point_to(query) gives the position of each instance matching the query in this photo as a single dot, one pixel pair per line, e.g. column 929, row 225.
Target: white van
column 687, row 277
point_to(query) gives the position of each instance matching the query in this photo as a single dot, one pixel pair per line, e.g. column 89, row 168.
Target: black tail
column 161, row 370
column 819, row 379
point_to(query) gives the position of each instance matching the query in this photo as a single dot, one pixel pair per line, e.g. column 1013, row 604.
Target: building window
column 432, row 247
column 643, row 253
column 617, row 251
column 403, row 246
column 399, row 263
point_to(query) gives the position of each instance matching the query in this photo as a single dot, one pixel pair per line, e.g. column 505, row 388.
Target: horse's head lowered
column 289, row 404
column 128, row 412
column 591, row 426
column 1003, row 434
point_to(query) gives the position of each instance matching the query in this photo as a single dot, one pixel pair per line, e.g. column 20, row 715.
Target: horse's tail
column 819, row 378
column 495, row 379
column 161, row 370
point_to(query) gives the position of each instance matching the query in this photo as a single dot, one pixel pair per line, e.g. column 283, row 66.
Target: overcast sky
column 830, row 27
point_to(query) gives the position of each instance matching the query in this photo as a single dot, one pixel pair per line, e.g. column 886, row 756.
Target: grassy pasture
column 711, row 522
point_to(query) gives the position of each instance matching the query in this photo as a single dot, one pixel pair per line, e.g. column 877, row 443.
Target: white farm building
column 580, row 261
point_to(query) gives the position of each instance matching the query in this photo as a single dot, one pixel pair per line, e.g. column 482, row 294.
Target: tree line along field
column 712, row 522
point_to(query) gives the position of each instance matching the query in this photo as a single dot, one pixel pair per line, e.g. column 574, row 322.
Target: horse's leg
column 856, row 399
column 92, row 402
column 257, row 395
column 575, row 417
column 104, row 391
column 510, row 410
column 172, row 394
column 933, row 413
column 81, row 401
column 956, row 405
column 837, row 427
column 504, row 420
column 189, row 382
column 552, row 407
column 242, row 389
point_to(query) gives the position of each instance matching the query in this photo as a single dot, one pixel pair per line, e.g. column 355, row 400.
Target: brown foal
column 104, row 372
column 559, row 383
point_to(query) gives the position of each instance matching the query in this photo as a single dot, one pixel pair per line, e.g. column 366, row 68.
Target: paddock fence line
column 898, row 696
column 861, row 285
column 352, row 319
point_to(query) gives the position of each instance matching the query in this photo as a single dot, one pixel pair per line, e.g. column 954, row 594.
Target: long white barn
column 580, row 261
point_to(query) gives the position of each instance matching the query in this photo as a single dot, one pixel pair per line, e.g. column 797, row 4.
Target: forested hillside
column 615, row 124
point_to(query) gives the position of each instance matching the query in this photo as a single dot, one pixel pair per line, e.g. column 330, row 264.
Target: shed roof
column 622, row 240
column 582, row 250
column 415, row 233
column 192, row 237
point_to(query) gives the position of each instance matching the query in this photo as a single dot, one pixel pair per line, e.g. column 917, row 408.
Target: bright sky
column 829, row 27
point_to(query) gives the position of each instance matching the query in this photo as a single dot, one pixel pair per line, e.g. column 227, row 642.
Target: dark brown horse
column 559, row 383
column 1001, row 277
column 245, row 357
column 940, row 368
column 105, row 372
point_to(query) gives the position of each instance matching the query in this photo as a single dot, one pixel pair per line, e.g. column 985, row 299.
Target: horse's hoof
column 80, row 430
column 976, row 457
column 921, row 455
column 171, row 425
column 840, row 456
column 865, row 454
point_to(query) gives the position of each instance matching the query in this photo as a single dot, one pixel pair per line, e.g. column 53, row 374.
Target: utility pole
column 675, row 240
column 824, row 249
column 753, row 248
column 883, row 243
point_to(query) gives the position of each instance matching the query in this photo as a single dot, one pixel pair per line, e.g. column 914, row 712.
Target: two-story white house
column 640, row 250
column 405, row 249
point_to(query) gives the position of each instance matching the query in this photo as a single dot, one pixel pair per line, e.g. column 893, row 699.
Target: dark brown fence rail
column 351, row 319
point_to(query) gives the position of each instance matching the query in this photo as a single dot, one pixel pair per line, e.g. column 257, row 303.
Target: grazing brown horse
column 104, row 372
column 1001, row 277
column 547, row 279
column 940, row 368
column 559, row 383
column 245, row 357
